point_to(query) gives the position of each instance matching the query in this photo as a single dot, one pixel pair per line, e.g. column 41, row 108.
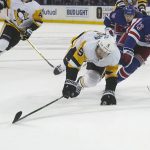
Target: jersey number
column 80, row 53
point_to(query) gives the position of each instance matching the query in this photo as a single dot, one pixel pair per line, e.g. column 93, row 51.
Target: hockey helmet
column 130, row 2
column 129, row 10
column 120, row 3
column 104, row 46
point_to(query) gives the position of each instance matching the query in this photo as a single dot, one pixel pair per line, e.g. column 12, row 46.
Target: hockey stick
column 8, row 20
column 18, row 114
column 40, row 53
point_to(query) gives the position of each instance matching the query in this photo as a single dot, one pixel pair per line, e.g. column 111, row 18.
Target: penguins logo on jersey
column 20, row 16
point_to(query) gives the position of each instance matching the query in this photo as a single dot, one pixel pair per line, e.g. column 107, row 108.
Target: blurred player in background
column 120, row 19
column 139, row 4
column 102, row 56
column 25, row 16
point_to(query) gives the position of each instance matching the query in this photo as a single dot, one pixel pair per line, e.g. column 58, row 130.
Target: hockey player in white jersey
column 102, row 56
column 25, row 16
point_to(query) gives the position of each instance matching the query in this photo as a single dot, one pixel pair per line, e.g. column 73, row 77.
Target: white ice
column 27, row 83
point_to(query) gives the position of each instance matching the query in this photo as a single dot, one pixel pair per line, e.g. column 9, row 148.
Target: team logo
column 140, row 26
column 20, row 16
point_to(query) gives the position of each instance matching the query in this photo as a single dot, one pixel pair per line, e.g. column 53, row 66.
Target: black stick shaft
column 39, row 109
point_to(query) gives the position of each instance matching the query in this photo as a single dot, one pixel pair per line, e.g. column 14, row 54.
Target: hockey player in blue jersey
column 136, row 47
column 138, row 4
column 120, row 19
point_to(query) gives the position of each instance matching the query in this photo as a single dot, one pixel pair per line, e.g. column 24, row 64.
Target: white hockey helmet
column 105, row 46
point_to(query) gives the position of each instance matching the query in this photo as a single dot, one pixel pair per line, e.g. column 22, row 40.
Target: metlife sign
column 77, row 12
column 49, row 12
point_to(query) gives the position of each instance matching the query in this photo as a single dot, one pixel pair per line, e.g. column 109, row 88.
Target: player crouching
column 24, row 17
column 102, row 56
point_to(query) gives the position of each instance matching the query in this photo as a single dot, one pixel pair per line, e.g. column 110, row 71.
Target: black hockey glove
column 59, row 69
column 26, row 34
column 108, row 98
column 71, row 89
column 2, row 4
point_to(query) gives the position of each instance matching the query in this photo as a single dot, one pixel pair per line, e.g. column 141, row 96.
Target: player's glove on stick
column 70, row 89
column 108, row 98
column 26, row 34
column 126, row 58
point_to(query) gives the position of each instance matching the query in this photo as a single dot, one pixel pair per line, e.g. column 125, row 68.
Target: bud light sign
column 77, row 12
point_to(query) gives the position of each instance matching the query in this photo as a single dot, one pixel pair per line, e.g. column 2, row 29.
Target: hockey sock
column 125, row 72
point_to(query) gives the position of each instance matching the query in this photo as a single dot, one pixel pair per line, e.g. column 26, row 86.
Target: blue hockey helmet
column 129, row 10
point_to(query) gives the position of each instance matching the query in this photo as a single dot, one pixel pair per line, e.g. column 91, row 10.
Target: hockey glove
column 2, row 4
column 126, row 58
column 70, row 89
column 26, row 34
column 108, row 98
column 59, row 69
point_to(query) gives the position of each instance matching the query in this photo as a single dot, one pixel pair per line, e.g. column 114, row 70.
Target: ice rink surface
column 27, row 82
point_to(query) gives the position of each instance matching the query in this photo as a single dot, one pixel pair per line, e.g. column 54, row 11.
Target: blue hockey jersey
column 138, row 34
column 117, row 21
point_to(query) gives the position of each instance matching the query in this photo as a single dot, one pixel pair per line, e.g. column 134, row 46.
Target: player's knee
column 90, row 79
column 3, row 45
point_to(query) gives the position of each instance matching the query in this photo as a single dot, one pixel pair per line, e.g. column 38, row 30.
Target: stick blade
column 17, row 116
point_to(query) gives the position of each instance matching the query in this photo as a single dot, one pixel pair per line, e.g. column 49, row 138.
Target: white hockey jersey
column 85, row 45
column 24, row 14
